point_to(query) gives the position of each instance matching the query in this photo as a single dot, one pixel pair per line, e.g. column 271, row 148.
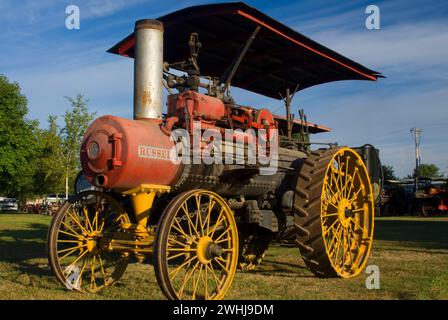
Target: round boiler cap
column 149, row 24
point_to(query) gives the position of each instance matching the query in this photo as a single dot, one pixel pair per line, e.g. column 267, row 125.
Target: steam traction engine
column 200, row 220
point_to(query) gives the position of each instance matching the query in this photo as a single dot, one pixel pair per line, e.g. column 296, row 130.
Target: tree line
column 424, row 170
column 34, row 161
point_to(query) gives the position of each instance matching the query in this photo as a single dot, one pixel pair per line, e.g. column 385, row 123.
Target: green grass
column 412, row 254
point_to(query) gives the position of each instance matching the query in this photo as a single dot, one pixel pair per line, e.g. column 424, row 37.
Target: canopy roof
column 279, row 57
column 297, row 125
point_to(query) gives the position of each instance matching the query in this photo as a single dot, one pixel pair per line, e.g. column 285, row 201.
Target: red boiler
column 122, row 153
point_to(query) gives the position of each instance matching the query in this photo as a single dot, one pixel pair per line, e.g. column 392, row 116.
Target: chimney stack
column 148, row 69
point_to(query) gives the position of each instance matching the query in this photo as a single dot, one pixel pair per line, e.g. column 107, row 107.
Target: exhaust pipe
column 148, row 69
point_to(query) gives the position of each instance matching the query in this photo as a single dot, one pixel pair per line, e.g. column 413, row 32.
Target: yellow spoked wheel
column 334, row 213
column 196, row 247
column 77, row 250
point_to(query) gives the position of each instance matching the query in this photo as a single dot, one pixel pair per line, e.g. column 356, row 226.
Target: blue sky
column 411, row 49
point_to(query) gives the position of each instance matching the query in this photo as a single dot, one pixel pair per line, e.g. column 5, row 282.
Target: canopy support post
column 231, row 70
column 289, row 117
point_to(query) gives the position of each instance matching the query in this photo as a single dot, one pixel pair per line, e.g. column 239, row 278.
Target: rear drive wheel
column 334, row 213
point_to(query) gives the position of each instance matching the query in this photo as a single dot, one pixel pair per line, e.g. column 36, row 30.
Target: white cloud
column 108, row 86
column 101, row 8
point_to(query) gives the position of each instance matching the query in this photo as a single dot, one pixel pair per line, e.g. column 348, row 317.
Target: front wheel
column 196, row 247
column 76, row 253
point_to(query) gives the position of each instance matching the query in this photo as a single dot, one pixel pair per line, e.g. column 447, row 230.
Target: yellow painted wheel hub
column 203, row 244
column 345, row 212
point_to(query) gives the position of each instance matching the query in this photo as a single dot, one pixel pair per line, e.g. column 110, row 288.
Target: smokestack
column 148, row 69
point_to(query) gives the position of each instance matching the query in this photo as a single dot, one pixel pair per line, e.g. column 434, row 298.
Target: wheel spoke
column 330, row 214
column 218, row 261
column 68, row 254
column 72, row 248
column 71, row 229
column 78, row 236
column 218, row 222
column 198, row 215
column 68, row 241
column 187, row 214
column 207, row 220
column 86, row 216
column 228, row 229
column 357, row 225
column 78, row 281
column 177, row 242
column 186, row 278
column 92, row 273
column 352, row 184
column 331, row 227
column 186, row 263
column 181, row 230
column 102, row 269
column 75, row 218
column 333, row 240
column 206, row 296
column 353, row 199
column 176, row 256
column 345, row 177
column 196, row 278
column 334, row 193
column 77, row 259
column 212, row 271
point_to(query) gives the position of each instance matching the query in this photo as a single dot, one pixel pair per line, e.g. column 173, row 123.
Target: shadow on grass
column 271, row 267
column 25, row 245
column 410, row 233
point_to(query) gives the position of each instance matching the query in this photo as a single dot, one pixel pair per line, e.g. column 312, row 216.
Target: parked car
column 9, row 204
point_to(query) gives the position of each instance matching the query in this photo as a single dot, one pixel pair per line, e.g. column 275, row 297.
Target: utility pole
column 417, row 132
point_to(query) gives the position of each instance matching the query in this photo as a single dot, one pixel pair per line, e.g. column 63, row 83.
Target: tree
column 59, row 161
column 18, row 142
column 76, row 121
column 427, row 171
column 49, row 164
column 389, row 173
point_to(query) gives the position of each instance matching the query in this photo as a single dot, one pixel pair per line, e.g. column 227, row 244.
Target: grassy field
column 412, row 254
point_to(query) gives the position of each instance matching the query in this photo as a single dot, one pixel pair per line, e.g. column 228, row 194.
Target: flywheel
column 334, row 213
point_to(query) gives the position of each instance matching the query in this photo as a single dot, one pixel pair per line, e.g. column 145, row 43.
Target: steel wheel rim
column 75, row 252
column 200, row 254
column 347, row 213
